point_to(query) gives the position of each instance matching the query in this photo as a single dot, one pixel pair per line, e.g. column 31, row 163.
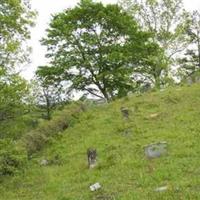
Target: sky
column 45, row 9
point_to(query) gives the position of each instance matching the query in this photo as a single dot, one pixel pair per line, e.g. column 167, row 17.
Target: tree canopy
column 97, row 49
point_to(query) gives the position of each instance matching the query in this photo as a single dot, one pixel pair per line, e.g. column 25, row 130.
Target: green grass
column 123, row 170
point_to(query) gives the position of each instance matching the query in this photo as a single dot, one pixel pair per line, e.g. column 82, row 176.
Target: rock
column 44, row 162
column 154, row 115
column 161, row 189
column 155, row 150
column 95, row 187
column 125, row 112
column 92, row 158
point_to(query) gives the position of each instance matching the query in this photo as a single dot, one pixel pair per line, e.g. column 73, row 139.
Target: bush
column 17, row 127
column 12, row 157
column 36, row 139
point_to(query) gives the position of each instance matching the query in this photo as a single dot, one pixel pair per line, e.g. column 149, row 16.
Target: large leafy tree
column 168, row 21
column 96, row 48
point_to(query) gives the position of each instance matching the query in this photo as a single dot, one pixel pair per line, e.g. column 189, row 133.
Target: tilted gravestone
column 92, row 158
column 155, row 150
column 125, row 112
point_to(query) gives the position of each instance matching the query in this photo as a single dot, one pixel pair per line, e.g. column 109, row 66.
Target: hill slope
column 123, row 169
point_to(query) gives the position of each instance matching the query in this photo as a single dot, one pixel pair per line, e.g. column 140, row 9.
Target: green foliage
column 13, row 153
column 15, row 19
column 17, row 127
column 36, row 139
column 12, row 157
column 190, row 62
column 96, row 49
column 48, row 95
column 169, row 22
column 13, row 93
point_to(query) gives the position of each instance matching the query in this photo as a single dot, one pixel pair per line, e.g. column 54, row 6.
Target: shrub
column 12, row 157
column 36, row 139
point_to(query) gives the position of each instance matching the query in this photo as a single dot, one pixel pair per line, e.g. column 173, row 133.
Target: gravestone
column 64, row 126
column 155, row 150
column 92, row 158
column 161, row 189
column 146, row 87
column 44, row 162
column 125, row 112
column 95, row 187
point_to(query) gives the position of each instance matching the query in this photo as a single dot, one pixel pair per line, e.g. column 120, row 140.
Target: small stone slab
column 44, row 162
column 95, row 187
column 161, row 189
column 154, row 115
column 155, row 150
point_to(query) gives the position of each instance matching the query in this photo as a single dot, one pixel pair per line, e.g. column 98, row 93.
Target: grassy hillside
column 123, row 169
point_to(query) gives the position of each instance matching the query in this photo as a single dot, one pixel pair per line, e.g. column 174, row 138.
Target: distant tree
column 47, row 95
column 96, row 48
column 168, row 21
column 190, row 62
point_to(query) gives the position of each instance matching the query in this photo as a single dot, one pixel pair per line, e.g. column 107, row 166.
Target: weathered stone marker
column 92, row 158
column 125, row 112
column 161, row 189
column 44, row 162
column 95, row 187
column 155, row 150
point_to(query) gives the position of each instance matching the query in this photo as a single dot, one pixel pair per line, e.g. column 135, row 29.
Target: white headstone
column 161, row 189
column 95, row 187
